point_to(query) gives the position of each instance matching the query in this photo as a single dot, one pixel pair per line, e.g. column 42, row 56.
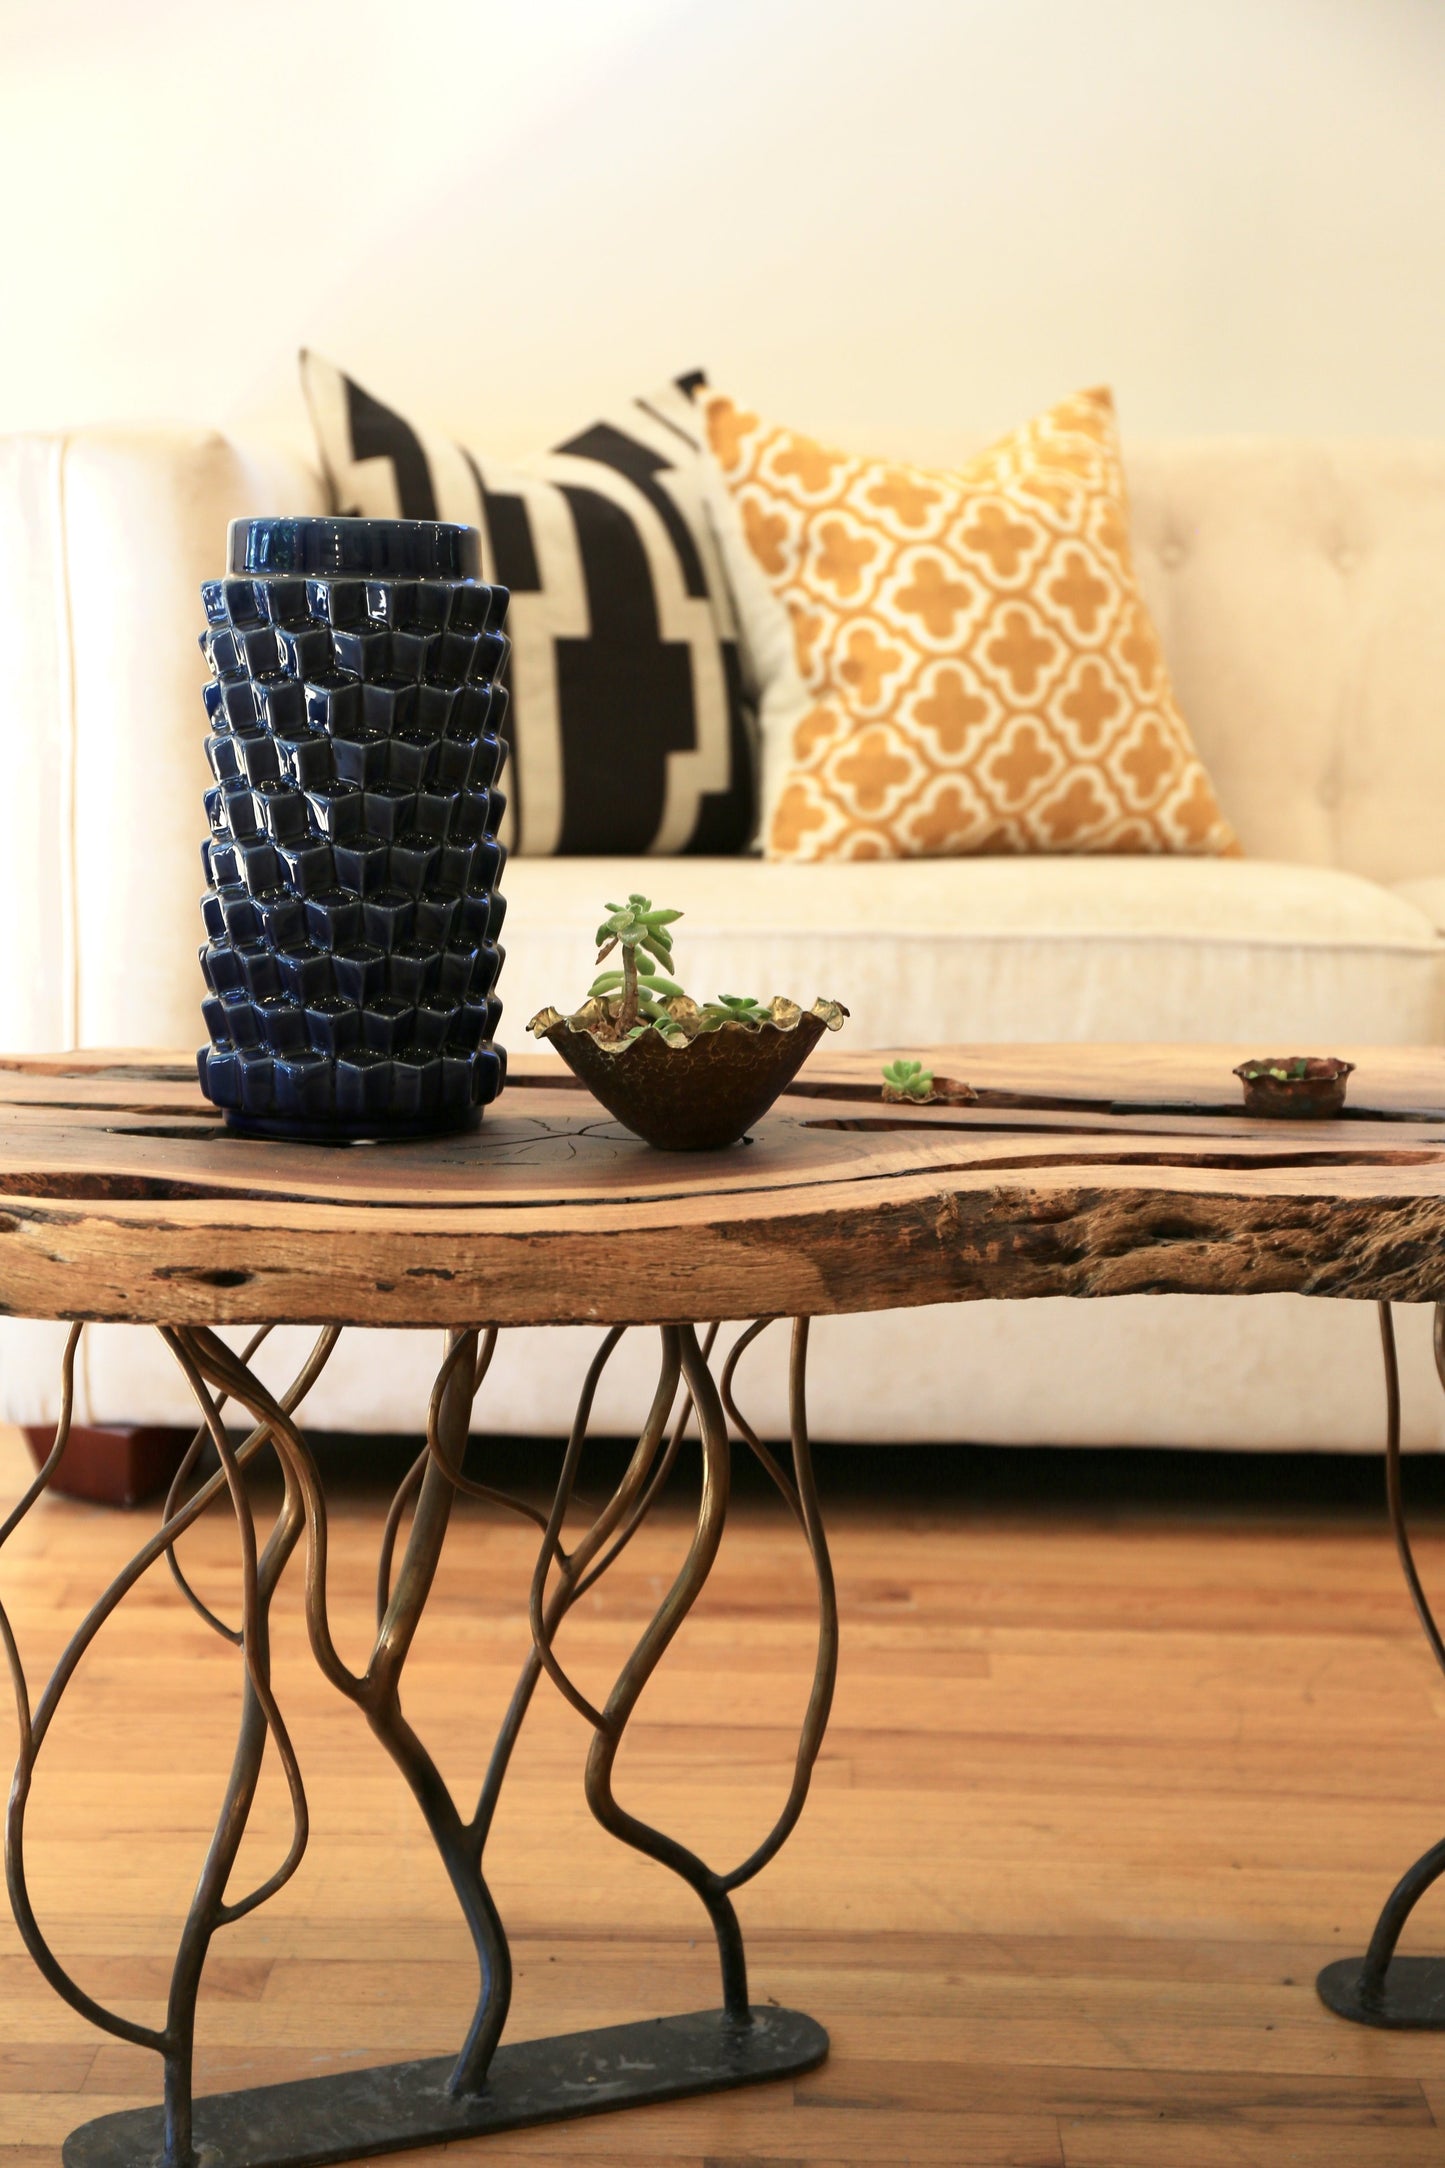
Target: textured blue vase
column 352, row 904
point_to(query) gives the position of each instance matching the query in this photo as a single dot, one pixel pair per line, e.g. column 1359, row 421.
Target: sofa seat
column 1011, row 951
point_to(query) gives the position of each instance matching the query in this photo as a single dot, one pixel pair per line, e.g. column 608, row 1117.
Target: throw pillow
column 627, row 722
column 972, row 667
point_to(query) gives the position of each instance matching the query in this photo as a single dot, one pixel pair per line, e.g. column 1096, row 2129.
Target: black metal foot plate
column 1411, row 1997
column 536, row 2081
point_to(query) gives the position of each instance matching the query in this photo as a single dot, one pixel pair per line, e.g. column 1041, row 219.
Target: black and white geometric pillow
column 629, row 726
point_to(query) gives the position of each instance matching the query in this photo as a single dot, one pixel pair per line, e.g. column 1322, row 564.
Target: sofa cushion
column 629, row 726
column 1287, row 958
column 974, row 669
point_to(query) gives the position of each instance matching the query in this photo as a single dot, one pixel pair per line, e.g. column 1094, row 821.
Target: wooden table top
column 1082, row 1171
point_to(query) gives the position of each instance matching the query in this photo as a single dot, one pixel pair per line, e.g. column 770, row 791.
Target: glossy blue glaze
column 352, row 904
column 392, row 549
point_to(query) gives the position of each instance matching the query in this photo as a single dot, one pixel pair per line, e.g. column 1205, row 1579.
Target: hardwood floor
column 1101, row 1793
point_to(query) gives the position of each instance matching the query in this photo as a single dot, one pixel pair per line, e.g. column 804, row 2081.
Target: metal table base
column 485, row 2086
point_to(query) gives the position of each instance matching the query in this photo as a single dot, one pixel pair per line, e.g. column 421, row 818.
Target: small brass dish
column 698, row 1090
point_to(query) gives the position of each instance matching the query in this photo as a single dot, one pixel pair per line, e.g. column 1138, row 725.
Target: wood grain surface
column 1101, row 1792
column 1080, row 1171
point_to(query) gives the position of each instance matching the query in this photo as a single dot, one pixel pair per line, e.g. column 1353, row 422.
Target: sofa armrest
column 105, row 537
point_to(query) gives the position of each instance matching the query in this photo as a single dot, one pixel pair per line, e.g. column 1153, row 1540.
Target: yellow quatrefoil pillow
column 975, row 668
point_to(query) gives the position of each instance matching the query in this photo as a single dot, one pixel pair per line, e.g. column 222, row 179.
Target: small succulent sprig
column 638, row 994
column 735, row 1009
column 1288, row 1072
column 907, row 1080
column 640, row 932
column 908, row 1083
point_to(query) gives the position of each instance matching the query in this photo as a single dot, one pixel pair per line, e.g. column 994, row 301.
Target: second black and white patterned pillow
column 629, row 725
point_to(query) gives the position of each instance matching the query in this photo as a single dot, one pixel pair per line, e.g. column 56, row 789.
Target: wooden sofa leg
column 121, row 1464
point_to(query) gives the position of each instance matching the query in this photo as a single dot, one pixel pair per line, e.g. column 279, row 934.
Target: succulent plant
column 639, row 988
column 907, row 1080
column 1286, row 1069
column 636, row 995
column 735, row 1009
column 908, row 1083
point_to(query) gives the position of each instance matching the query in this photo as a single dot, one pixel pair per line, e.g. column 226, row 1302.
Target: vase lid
column 417, row 549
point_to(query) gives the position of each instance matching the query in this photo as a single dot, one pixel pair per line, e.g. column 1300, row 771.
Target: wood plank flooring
column 1102, row 1792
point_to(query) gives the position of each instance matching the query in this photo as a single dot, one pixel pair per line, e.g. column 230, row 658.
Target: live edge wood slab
column 1084, row 1171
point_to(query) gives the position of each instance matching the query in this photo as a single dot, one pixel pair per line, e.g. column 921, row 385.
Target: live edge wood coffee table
column 1083, row 1172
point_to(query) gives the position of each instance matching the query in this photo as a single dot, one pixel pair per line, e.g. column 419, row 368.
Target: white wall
column 896, row 221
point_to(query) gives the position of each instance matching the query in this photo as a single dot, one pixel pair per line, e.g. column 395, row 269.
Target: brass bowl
column 698, row 1096
column 1311, row 1088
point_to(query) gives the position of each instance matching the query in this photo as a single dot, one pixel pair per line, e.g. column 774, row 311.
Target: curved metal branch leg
column 379, row 1699
column 1380, row 1988
column 173, row 1496
column 712, row 1409
column 802, row 1496
column 260, row 1718
column 675, row 1606
column 433, row 1483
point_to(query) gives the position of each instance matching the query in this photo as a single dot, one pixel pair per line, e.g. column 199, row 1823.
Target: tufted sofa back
column 1299, row 589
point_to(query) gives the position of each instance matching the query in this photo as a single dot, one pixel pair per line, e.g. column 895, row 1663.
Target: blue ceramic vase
column 352, row 904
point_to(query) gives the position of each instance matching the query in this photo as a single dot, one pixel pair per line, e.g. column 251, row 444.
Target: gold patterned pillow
column 975, row 668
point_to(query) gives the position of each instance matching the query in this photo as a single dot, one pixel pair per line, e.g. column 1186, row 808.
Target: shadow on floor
column 1032, row 1481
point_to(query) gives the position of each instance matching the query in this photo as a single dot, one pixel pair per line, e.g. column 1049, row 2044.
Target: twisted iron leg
column 625, row 1695
column 432, row 1483
column 712, row 1407
column 458, row 1843
column 260, row 1719
column 1380, row 1988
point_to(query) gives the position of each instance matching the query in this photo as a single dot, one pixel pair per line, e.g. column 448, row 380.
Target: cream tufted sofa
column 1300, row 592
